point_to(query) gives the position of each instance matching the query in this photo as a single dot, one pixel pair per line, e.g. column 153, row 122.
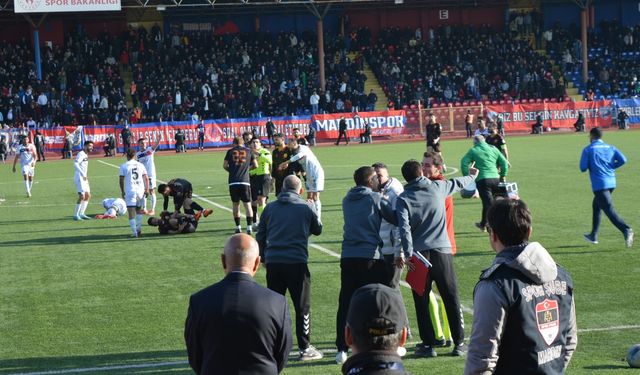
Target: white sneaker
column 310, row 354
column 402, row 351
column 341, row 357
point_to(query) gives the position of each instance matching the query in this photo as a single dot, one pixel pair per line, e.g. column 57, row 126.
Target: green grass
column 83, row 294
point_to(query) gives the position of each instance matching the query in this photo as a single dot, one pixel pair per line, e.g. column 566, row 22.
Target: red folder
column 418, row 277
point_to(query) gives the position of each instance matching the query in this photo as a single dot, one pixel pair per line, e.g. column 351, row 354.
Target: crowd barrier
column 520, row 117
column 220, row 133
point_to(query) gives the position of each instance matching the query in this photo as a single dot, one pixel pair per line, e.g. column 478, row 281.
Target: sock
column 134, row 229
column 78, row 206
column 435, row 316
column 30, row 184
column 255, row 213
column 318, row 206
column 83, row 207
column 237, row 220
column 153, row 202
column 445, row 321
column 27, row 186
column 138, row 221
column 144, row 204
column 196, row 206
column 260, row 209
column 249, row 220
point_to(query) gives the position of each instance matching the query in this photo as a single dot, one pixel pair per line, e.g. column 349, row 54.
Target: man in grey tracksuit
column 361, row 261
column 524, row 319
column 283, row 237
column 421, row 217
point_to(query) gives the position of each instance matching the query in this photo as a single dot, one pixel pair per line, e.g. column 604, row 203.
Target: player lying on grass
column 175, row 223
column 114, row 207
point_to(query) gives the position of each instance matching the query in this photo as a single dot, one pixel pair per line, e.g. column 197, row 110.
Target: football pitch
column 83, row 297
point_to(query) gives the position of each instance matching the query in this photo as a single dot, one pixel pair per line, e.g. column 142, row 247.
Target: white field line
column 325, row 351
column 315, row 246
column 291, row 355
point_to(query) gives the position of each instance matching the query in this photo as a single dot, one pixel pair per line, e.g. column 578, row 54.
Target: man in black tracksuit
column 524, row 318
column 342, row 129
column 283, row 237
column 361, row 260
column 422, row 222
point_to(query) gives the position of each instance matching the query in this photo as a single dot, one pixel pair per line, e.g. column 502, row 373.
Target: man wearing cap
column 374, row 331
column 487, row 159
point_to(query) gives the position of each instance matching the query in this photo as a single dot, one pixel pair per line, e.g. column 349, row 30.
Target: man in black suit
column 237, row 326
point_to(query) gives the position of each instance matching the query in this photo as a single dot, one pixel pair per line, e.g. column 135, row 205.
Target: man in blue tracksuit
column 361, row 261
column 602, row 160
column 283, row 237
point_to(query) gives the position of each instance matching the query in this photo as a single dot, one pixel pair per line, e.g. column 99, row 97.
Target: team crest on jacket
column 548, row 319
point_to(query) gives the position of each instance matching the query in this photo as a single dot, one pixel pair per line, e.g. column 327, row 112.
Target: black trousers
column 296, row 278
column 355, row 273
column 40, row 152
column 487, row 187
column 467, row 127
column 343, row 133
column 393, row 277
column 444, row 275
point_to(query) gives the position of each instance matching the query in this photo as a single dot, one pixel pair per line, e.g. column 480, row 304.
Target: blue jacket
column 363, row 211
column 285, row 227
column 601, row 160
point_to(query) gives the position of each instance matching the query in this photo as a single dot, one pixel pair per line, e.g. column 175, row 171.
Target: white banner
column 48, row 6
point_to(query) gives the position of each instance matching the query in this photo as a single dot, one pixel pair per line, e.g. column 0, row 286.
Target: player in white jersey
column 114, row 207
column 26, row 152
column 81, row 166
column 134, row 185
column 146, row 156
column 313, row 169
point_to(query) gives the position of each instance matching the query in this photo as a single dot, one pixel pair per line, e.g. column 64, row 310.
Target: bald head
column 241, row 253
column 292, row 183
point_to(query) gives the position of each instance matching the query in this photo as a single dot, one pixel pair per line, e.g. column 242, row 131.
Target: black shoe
column 426, row 351
column 442, row 343
column 238, row 230
column 459, row 350
column 483, row 228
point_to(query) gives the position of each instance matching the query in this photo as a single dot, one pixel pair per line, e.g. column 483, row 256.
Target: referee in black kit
column 283, row 237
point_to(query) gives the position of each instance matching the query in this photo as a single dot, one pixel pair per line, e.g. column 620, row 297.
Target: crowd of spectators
column 80, row 83
column 613, row 53
column 456, row 64
column 179, row 76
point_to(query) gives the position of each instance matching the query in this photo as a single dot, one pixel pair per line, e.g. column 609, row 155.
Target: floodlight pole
column 36, row 43
column 584, row 19
column 320, row 35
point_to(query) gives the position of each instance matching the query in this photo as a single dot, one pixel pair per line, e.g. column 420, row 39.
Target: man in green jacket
column 493, row 168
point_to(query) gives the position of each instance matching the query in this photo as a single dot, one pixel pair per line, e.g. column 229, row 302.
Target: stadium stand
column 461, row 65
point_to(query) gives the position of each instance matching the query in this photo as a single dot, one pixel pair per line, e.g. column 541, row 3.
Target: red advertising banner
column 382, row 123
column 98, row 134
column 554, row 115
column 54, row 138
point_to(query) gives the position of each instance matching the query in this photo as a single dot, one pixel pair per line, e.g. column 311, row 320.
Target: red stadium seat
column 554, row 100
column 538, row 100
column 517, row 101
column 413, row 106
